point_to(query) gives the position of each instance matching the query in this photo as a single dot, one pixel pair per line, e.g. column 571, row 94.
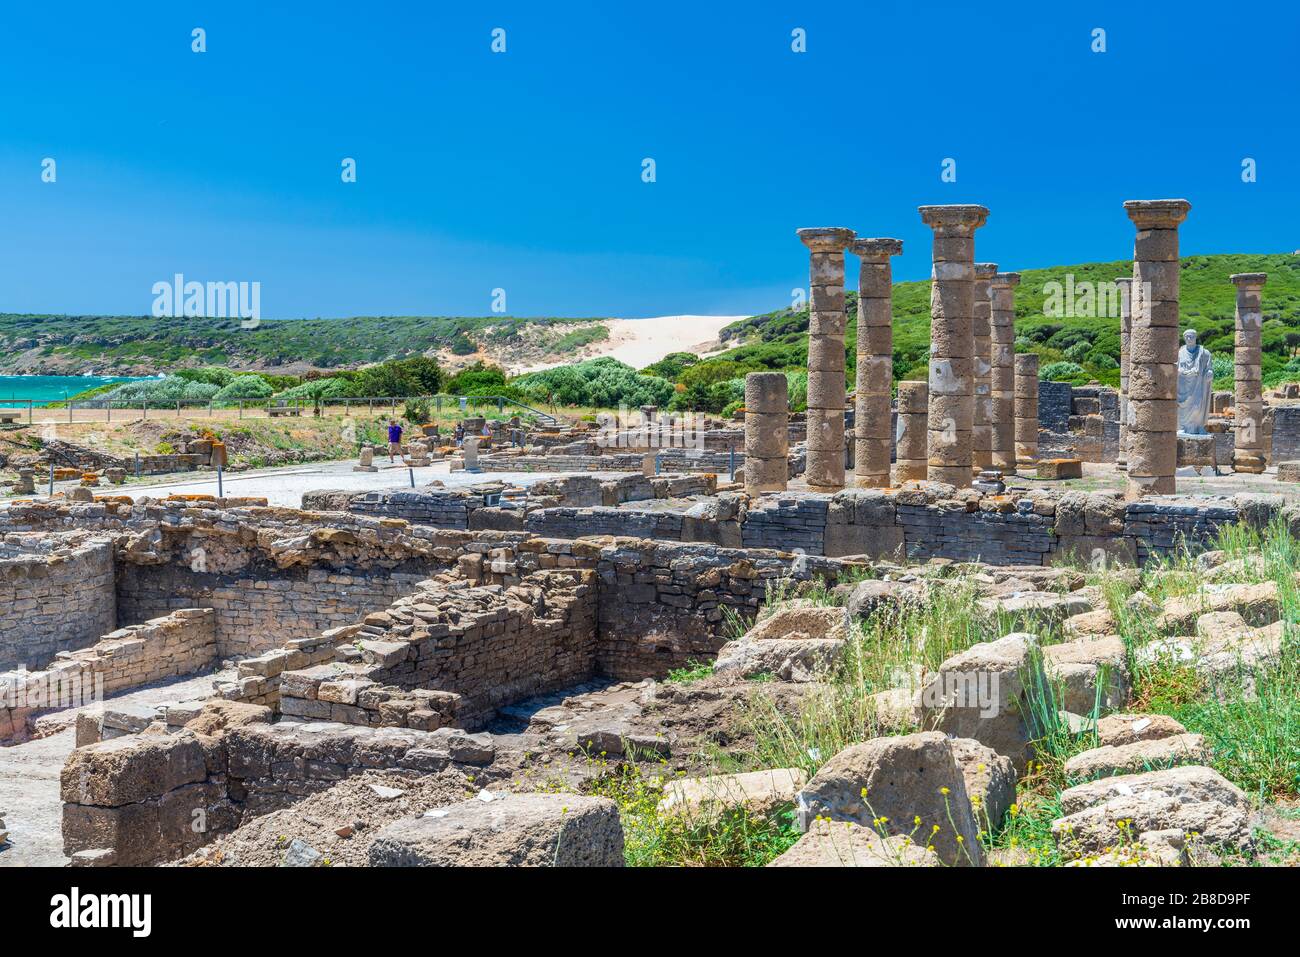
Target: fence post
column 220, row 490
column 108, row 408
column 69, row 412
column 137, row 464
column 241, row 408
column 51, row 480
column 144, row 409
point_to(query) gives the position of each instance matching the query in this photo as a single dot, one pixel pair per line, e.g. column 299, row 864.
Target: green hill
column 145, row 344
column 779, row 340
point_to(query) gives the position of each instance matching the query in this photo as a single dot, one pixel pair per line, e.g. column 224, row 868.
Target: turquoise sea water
column 49, row 388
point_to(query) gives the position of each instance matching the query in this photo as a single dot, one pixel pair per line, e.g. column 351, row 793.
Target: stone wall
column 177, row 644
column 1286, row 434
column 55, row 595
column 260, row 606
column 148, row 799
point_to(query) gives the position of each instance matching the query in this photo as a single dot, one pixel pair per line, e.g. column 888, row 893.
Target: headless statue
column 1195, row 385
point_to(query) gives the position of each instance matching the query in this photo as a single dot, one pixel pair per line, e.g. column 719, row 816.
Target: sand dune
column 639, row 342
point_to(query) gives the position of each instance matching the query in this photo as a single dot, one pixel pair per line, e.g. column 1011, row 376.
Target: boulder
column 990, row 780
column 981, row 694
column 897, row 710
column 1089, row 673
column 506, row 830
column 1192, row 800
column 799, row 620
column 890, row 782
column 1256, row 603
column 1217, row 626
column 832, row 844
column 1035, row 608
column 1137, row 756
column 788, row 659
column 760, row 792
column 1090, row 624
column 871, row 596
column 1119, row 729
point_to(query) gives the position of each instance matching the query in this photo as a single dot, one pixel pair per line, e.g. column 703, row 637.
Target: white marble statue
column 1195, row 385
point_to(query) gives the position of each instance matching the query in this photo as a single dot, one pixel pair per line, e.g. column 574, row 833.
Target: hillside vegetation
column 779, row 340
column 143, row 345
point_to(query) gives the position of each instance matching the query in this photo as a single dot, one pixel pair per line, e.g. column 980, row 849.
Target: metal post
column 220, row 490
column 241, row 408
column 144, row 409
column 108, row 408
column 137, row 464
column 69, row 412
column 51, row 480
column 412, row 471
column 731, row 461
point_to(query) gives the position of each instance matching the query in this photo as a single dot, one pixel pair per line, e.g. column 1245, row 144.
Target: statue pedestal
column 1197, row 451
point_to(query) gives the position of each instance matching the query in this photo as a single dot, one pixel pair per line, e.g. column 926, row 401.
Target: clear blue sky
column 522, row 170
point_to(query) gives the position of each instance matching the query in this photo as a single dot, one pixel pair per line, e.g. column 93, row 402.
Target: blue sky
column 522, row 170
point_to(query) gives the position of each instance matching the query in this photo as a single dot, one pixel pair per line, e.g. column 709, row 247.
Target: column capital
column 986, row 270
column 874, row 248
column 825, row 239
column 1249, row 278
column 1157, row 213
column 1004, row 280
column 1122, row 279
column 958, row 219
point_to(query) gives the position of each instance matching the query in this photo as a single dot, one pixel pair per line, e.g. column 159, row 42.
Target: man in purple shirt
column 394, row 439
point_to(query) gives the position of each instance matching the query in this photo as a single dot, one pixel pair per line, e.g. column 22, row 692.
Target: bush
column 479, row 379
column 251, row 386
column 604, row 383
column 1063, row 372
column 418, row 411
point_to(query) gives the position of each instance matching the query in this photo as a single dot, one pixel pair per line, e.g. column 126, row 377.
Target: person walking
column 394, row 439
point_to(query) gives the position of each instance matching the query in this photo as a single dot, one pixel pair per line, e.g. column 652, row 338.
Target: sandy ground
column 640, row 342
column 29, row 775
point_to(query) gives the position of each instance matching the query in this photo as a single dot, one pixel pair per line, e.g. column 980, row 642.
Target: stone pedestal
column 872, row 438
column 1248, row 453
column 826, row 324
column 1124, row 284
column 366, row 462
column 951, row 420
column 1002, row 375
column 982, row 337
column 1026, row 407
column 469, row 448
column 1152, row 414
column 912, row 440
column 26, row 482
column 767, row 432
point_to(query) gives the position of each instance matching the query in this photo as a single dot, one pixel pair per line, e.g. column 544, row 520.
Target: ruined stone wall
column 149, row 799
column 54, row 597
column 1286, row 434
column 261, row 606
column 177, row 644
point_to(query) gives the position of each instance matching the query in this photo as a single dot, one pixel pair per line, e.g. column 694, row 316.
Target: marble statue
column 1195, row 385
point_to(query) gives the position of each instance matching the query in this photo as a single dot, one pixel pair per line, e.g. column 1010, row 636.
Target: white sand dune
column 639, row 342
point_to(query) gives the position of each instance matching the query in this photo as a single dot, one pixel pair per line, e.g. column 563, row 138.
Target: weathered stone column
column 951, row 418
column 913, row 410
column 767, row 432
column 1026, row 430
column 826, row 324
column 872, row 434
column 982, row 333
column 1152, row 416
column 1124, row 284
column 1002, row 376
column 1248, row 453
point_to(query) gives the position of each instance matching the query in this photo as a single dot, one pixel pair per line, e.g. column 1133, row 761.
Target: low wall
column 148, row 799
column 54, row 596
column 178, row 644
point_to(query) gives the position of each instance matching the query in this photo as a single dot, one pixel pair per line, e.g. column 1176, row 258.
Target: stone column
column 1002, row 376
column 1026, row 429
column 1248, row 390
column 826, row 325
column 1124, row 283
column 982, row 334
column 767, row 432
column 913, row 410
column 951, row 419
column 872, row 434
column 1152, row 416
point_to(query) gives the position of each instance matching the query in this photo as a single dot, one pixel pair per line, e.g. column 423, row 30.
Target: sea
column 49, row 388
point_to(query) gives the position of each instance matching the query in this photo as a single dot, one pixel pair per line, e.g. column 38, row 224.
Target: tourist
column 394, row 439
column 459, row 435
